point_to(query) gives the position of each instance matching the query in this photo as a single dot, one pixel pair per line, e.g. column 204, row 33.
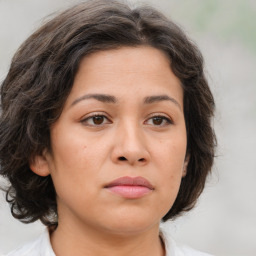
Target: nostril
column 122, row 158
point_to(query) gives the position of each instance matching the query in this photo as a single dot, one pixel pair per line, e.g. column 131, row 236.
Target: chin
column 129, row 224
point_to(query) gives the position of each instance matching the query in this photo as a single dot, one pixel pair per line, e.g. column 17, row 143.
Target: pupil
column 98, row 120
column 157, row 120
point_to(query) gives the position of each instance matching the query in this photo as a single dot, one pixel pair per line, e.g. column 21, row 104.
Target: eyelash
column 168, row 121
column 85, row 120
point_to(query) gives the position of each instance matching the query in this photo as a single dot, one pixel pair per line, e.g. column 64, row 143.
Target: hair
column 41, row 76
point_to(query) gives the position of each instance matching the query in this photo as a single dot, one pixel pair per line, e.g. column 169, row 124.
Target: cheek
column 77, row 157
column 67, row 156
column 170, row 158
column 171, row 155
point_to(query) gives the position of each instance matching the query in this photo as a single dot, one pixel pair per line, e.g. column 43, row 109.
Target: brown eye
column 157, row 120
column 98, row 120
column 95, row 120
column 160, row 121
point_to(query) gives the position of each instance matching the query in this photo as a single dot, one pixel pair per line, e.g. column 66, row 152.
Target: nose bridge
column 131, row 135
column 131, row 144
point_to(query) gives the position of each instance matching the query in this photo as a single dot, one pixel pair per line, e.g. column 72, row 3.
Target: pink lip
column 130, row 187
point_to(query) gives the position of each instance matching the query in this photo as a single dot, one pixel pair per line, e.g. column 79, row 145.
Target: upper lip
column 130, row 181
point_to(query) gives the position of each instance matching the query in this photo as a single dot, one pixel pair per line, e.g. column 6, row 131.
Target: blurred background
column 224, row 221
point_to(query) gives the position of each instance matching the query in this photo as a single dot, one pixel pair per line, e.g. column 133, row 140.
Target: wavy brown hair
column 41, row 76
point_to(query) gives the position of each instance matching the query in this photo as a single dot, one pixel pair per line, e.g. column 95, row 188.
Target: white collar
column 42, row 246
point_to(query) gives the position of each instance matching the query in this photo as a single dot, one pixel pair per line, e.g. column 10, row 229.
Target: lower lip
column 131, row 192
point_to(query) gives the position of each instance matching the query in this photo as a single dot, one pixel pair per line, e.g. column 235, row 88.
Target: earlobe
column 39, row 165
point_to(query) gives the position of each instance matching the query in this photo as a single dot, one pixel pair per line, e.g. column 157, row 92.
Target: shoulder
column 37, row 247
column 173, row 249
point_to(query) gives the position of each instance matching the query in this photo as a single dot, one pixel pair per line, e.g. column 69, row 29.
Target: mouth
column 130, row 187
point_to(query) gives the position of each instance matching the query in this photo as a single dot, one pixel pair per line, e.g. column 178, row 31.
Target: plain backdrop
column 224, row 221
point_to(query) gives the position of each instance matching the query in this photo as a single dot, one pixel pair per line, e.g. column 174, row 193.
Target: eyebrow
column 100, row 97
column 105, row 98
column 157, row 98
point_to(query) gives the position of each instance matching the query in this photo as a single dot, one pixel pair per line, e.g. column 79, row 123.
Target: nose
column 130, row 146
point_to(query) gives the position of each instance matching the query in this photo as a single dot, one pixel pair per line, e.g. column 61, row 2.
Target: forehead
column 126, row 72
column 127, row 60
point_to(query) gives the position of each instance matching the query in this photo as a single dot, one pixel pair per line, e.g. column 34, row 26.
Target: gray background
column 224, row 222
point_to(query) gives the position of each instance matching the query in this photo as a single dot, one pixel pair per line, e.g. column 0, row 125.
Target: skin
column 128, row 138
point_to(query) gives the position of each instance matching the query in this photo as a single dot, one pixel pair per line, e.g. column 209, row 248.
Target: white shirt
column 42, row 247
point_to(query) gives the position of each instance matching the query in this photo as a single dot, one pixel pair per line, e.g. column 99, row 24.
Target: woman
column 105, row 131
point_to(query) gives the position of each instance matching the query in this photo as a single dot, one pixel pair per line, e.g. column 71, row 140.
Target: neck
column 93, row 242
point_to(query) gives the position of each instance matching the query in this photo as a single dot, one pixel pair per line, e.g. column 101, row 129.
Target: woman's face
column 118, row 148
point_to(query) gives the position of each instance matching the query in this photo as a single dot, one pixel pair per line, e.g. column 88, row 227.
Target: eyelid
column 95, row 114
column 167, row 118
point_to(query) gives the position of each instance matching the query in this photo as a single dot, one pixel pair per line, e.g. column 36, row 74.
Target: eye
column 159, row 121
column 95, row 120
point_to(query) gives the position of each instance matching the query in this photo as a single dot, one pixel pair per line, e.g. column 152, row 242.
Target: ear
column 39, row 165
column 185, row 165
